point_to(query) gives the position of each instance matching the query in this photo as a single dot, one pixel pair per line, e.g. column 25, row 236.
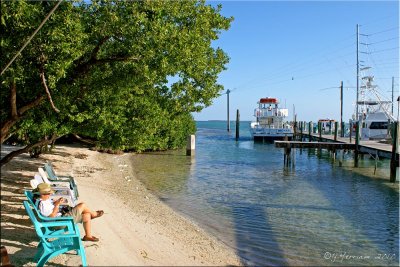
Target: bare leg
column 87, row 224
column 83, row 209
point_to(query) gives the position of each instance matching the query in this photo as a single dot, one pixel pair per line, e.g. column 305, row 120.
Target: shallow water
column 315, row 213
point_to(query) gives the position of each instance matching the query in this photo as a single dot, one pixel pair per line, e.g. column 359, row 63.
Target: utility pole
column 341, row 110
column 228, row 122
column 358, row 75
column 392, row 95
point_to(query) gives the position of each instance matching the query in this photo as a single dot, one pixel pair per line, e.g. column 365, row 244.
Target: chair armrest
column 60, row 184
column 69, row 224
column 61, row 236
column 53, row 219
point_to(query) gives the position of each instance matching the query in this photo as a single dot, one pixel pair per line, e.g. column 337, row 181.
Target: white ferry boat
column 270, row 121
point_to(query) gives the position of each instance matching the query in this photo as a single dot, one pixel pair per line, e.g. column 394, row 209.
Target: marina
column 374, row 148
column 269, row 213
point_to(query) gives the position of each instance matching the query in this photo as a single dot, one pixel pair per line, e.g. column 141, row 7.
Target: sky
column 299, row 52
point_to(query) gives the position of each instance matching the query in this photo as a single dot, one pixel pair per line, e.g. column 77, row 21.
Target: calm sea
column 315, row 213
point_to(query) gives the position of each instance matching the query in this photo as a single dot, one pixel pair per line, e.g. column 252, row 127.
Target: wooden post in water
column 342, row 129
column 237, row 124
column 309, row 131
column 357, row 144
column 301, row 130
column 336, row 130
column 190, row 145
column 287, row 154
column 394, row 163
column 320, row 131
column 351, row 128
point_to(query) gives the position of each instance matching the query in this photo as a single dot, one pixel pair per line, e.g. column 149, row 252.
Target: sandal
column 92, row 238
column 99, row 213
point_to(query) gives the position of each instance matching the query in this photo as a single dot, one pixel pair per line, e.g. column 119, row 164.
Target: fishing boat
column 270, row 121
column 374, row 121
column 374, row 115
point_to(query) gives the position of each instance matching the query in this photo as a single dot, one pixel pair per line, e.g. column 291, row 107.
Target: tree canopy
column 126, row 74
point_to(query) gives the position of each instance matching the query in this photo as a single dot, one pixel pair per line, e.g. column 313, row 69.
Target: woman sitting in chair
column 80, row 213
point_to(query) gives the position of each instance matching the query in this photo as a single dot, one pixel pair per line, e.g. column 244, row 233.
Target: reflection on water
column 164, row 172
column 314, row 214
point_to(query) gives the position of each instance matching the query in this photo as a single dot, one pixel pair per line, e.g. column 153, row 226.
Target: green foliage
column 125, row 73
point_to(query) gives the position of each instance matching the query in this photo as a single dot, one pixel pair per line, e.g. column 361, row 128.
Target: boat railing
column 278, row 112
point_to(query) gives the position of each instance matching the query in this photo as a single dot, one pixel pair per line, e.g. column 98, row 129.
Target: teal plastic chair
column 53, row 177
column 53, row 242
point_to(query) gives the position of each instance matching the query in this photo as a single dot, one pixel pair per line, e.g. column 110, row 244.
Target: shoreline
column 136, row 229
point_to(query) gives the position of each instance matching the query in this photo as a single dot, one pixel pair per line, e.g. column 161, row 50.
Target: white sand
column 136, row 229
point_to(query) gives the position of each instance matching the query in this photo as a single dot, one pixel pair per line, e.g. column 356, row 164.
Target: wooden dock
column 331, row 142
column 327, row 141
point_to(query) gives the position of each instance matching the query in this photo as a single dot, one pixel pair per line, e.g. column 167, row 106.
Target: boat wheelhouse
column 270, row 121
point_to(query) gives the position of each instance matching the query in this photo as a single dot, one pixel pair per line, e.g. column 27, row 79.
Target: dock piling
column 320, row 131
column 237, row 124
column 190, row 145
column 356, row 151
column 336, row 130
column 394, row 162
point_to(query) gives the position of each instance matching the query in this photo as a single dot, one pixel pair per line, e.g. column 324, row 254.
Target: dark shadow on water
column 367, row 203
column 249, row 240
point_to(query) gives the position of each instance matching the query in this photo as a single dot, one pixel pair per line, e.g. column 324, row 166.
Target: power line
column 30, row 38
column 387, row 30
column 395, row 38
column 388, row 49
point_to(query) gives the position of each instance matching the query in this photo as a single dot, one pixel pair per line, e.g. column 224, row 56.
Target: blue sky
column 300, row 51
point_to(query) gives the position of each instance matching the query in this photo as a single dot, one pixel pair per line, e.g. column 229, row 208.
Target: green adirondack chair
column 55, row 242
column 48, row 168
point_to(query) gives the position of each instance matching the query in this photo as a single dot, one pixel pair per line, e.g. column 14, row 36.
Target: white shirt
column 46, row 207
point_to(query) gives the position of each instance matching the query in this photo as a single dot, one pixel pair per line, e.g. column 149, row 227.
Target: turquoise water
column 315, row 213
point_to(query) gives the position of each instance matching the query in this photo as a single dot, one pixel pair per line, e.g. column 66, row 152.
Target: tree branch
column 10, row 121
column 30, row 105
column 43, row 78
column 87, row 141
column 26, row 149
column 82, row 66
column 98, row 46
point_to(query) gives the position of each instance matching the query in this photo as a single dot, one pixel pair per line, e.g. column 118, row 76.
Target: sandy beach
column 137, row 229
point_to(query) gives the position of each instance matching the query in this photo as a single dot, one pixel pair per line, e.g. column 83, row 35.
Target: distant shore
column 136, row 229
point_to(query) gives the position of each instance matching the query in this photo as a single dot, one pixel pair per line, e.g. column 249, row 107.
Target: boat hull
column 270, row 134
column 266, row 138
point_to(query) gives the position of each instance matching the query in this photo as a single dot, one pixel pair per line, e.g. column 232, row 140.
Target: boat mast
column 358, row 75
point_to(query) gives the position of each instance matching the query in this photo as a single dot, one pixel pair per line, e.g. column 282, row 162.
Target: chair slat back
column 44, row 176
column 50, row 174
column 50, row 171
column 34, row 183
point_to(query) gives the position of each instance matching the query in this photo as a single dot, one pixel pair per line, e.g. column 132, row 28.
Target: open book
column 67, row 201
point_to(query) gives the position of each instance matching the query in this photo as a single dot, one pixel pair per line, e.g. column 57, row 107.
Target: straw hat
column 44, row 189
